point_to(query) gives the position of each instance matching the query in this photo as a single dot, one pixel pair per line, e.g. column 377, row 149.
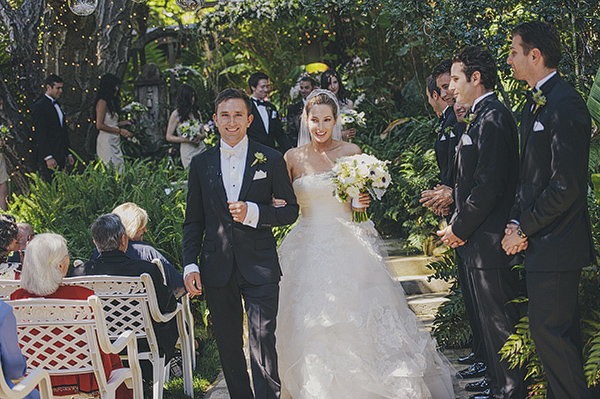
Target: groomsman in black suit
column 294, row 111
column 486, row 175
column 228, row 222
column 266, row 127
column 50, row 129
column 550, row 217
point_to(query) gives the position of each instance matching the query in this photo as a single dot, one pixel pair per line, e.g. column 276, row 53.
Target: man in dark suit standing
column 266, row 127
column 228, row 222
column 111, row 241
column 486, row 174
column 50, row 129
column 294, row 111
column 550, row 217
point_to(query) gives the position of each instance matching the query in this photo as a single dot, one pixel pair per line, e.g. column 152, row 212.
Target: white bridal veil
column 304, row 135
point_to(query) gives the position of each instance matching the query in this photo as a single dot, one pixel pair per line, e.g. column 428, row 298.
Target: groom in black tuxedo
column 266, row 127
column 486, row 174
column 50, row 129
column 228, row 222
column 550, row 217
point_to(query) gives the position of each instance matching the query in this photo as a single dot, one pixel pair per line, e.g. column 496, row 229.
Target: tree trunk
column 79, row 49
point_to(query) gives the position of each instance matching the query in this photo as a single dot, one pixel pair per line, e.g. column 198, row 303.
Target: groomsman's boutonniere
column 469, row 118
column 259, row 157
column 540, row 100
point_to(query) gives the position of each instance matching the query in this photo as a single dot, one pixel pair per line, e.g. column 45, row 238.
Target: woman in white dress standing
column 108, row 107
column 187, row 109
column 344, row 328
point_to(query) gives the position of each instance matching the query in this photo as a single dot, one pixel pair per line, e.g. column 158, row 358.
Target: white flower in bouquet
column 352, row 118
column 190, row 129
column 357, row 174
column 135, row 108
column 209, row 127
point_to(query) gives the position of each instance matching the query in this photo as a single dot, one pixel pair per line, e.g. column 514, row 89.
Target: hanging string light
column 190, row 5
column 83, row 8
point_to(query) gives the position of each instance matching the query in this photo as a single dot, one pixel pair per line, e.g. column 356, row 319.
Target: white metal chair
column 26, row 385
column 130, row 304
column 187, row 312
column 65, row 336
column 7, row 287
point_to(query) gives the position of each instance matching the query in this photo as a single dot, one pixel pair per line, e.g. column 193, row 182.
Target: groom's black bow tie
column 260, row 102
column 55, row 102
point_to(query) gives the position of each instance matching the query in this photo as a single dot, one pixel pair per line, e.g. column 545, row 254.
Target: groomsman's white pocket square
column 537, row 126
column 466, row 140
column 259, row 174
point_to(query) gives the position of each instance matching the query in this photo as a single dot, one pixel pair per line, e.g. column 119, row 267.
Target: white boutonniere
column 469, row 118
column 540, row 100
column 259, row 157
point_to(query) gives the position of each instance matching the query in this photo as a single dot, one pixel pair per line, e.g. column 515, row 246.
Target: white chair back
column 65, row 336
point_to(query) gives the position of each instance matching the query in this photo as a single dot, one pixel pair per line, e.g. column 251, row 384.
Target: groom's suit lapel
column 249, row 170
column 215, row 174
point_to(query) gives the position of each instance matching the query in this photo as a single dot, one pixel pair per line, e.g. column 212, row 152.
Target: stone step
column 414, row 285
column 410, row 265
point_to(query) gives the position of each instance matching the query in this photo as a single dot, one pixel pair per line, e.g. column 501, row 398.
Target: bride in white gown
column 344, row 328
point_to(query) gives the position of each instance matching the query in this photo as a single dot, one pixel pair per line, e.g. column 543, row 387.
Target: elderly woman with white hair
column 46, row 263
column 135, row 220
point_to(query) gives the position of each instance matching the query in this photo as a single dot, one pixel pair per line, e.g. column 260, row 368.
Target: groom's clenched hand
column 238, row 210
column 193, row 284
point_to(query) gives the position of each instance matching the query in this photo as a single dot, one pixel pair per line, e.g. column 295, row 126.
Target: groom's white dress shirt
column 233, row 166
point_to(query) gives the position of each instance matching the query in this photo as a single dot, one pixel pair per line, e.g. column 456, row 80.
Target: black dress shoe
column 478, row 386
column 469, row 359
column 487, row 394
column 475, row 370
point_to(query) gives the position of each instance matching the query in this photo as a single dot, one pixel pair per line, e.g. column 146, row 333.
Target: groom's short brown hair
column 229, row 94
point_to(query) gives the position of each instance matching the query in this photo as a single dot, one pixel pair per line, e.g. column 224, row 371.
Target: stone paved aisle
column 423, row 297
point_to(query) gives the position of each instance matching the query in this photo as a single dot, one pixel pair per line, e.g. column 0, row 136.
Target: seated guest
column 135, row 219
column 45, row 265
column 26, row 233
column 9, row 236
column 111, row 241
column 14, row 365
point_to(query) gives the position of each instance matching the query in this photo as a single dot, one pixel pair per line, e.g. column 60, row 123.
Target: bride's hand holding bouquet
column 357, row 176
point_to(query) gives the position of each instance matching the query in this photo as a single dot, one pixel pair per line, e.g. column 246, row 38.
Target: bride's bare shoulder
column 349, row 149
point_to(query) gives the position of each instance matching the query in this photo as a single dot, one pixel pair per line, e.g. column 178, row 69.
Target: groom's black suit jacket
column 50, row 136
column 209, row 228
column 257, row 131
column 487, row 170
column 551, row 202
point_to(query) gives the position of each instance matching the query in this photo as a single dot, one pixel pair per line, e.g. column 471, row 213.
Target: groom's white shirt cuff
column 252, row 216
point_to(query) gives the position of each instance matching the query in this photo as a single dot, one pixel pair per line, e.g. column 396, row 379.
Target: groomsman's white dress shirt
column 264, row 113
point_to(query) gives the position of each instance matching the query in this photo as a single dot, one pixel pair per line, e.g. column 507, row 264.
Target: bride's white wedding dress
column 344, row 328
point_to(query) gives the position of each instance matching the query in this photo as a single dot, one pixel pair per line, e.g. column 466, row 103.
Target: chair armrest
column 34, row 377
column 157, row 315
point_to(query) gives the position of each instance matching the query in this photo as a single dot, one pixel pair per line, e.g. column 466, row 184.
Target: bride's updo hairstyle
column 319, row 97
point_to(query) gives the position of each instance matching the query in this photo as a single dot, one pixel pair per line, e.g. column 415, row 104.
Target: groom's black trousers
column 227, row 315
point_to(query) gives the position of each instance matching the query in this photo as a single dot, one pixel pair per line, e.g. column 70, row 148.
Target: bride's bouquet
column 357, row 174
column 190, row 129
